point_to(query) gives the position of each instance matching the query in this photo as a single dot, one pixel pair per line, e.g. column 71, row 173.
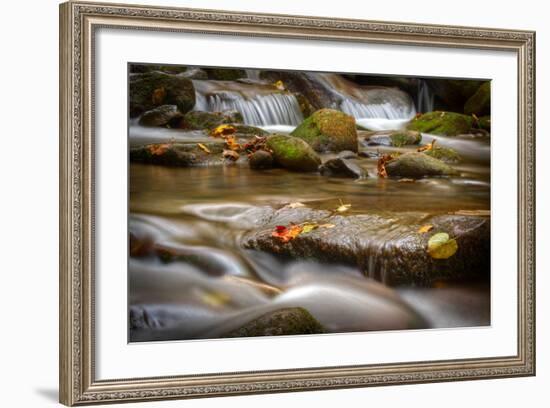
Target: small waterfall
column 260, row 104
column 425, row 97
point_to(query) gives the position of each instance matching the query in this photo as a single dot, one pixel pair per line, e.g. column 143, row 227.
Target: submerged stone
column 284, row 322
column 260, row 160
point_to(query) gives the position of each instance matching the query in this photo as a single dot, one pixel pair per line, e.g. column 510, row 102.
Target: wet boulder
column 248, row 131
column 293, row 153
column 178, row 154
column 194, row 73
column 260, row 160
column 162, row 116
column 442, row 123
column 418, row 165
column 152, row 89
column 284, row 322
column 386, row 247
column 328, row 130
column 398, row 138
column 344, row 168
column 480, row 102
column 199, row 120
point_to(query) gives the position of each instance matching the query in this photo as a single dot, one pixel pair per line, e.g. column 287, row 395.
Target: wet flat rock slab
column 386, row 247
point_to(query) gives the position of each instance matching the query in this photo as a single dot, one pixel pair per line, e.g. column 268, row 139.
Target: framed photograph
column 256, row 203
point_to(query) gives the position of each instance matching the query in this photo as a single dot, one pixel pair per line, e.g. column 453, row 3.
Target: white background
column 28, row 216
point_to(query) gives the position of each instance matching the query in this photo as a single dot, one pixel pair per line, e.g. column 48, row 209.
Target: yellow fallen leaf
column 343, row 207
column 308, row 227
column 223, row 130
column 215, row 299
column 204, row 148
column 232, row 144
column 295, row 205
column 279, row 85
column 425, row 228
column 441, row 246
column 327, row 226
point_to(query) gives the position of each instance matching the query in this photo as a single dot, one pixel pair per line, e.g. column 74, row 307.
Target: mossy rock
column 178, row 154
column 152, row 89
column 225, row 74
column 442, row 123
column 248, row 131
column 198, row 120
column 484, row 123
column 328, row 130
column 480, row 102
column 284, row 322
column 293, row 153
column 162, row 116
column 418, row 165
column 452, row 94
column 305, row 107
column 444, row 154
column 398, row 138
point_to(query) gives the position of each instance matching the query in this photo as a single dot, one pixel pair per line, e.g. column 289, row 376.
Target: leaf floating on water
column 215, row 299
column 343, row 207
column 295, row 205
column 441, row 246
column 159, row 149
column 285, row 234
column 204, row 148
column 381, row 165
column 480, row 213
column 223, row 130
column 425, row 228
column 230, row 154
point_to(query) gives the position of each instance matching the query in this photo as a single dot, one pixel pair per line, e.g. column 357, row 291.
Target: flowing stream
column 204, row 212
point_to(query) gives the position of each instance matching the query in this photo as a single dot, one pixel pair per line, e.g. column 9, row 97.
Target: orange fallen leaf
column 427, row 147
column 425, row 228
column 158, row 149
column 381, row 165
column 286, row 234
column 232, row 144
column 158, row 96
column 204, row 148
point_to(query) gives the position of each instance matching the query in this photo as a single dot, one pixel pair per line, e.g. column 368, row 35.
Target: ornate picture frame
column 78, row 24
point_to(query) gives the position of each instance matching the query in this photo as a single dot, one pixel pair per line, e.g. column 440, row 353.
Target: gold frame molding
column 78, row 22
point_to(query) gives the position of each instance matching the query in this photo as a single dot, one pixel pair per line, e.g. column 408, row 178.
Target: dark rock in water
column 225, row 74
column 328, row 130
column 369, row 154
column 178, row 154
column 347, row 154
column 140, row 245
column 418, row 165
column 284, row 322
column 198, row 120
column 194, row 73
column 293, row 153
column 152, row 89
column 445, row 154
column 451, row 94
column 342, row 168
column 397, row 138
column 168, row 69
column 387, row 247
column 317, row 96
column 260, row 160
column 442, row 123
column 480, row 102
column 161, row 116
